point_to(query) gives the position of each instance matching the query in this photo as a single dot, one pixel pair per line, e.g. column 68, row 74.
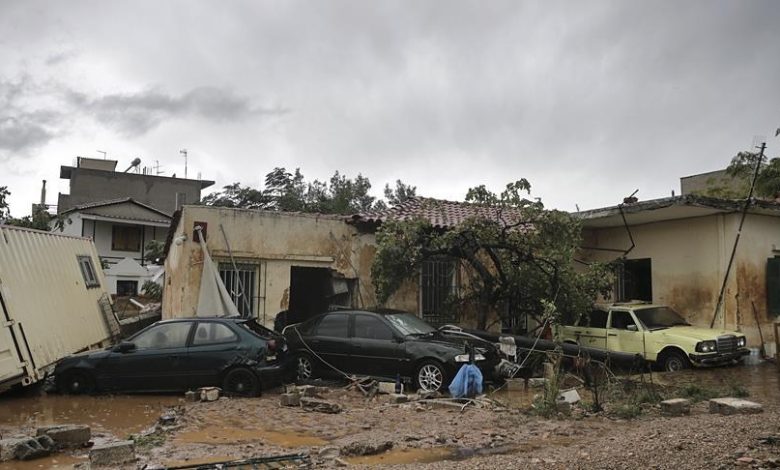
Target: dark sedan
column 384, row 345
column 238, row 355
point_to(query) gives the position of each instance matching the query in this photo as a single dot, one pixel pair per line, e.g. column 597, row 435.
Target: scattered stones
column 67, row 435
column 307, row 391
column 386, row 387
column 537, row 382
column 113, row 454
column 191, row 396
column 322, row 406
column 290, row 399
column 209, row 393
column 732, row 406
column 398, row 398
column 676, row 407
column 366, row 448
column 569, row 396
column 744, row 461
column 168, row 419
column 8, row 447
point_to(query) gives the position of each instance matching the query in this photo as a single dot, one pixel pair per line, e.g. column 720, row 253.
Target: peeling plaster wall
column 689, row 259
column 276, row 241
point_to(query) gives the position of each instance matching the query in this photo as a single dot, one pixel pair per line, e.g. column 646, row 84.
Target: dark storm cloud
column 22, row 128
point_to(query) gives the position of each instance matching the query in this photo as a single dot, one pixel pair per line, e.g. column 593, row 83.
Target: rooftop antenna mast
column 184, row 152
column 104, row 153
column 157, row 169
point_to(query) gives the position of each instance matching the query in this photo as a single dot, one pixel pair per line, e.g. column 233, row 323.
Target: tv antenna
column 184, row 152
column 104, row 153
column 156, row 168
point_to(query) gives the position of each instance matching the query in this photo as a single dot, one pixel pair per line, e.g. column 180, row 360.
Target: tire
column 430, row 376
column 673, row 361
column 75, row 382
column 241, row 382
column 304, row 367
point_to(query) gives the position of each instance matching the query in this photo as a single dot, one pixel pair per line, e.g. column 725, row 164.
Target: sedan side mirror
column 124, row 347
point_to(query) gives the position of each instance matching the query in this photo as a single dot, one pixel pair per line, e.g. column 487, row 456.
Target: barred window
column 439, row 283
column 241, row 284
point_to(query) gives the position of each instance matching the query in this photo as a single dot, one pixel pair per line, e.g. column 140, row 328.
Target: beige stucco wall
column 689, row 259
column 276, row 241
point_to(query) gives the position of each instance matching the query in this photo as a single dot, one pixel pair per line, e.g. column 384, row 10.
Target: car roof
column 223, row 319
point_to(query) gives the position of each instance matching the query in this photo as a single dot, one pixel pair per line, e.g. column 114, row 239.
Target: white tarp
column 214, row 299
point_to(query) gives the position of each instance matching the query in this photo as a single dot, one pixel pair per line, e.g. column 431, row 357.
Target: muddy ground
column 507, row 434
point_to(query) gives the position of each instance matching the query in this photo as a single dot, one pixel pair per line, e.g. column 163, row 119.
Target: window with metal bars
column 439, row 282
column 241, row 284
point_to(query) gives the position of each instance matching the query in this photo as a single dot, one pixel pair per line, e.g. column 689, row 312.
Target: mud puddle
column 406, row 456
column 233, row 435
column 761, row 381
column 55, row 462
column 120, row 415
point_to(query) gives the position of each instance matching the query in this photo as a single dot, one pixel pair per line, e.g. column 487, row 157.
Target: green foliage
column 5, row 212
column 695, row 393
column 516, row 255
column 285, row 191
column 400, row 193
column 627, row 410
column 154, row 251
column 152, row 290
column 39, row 220
column 741, row 171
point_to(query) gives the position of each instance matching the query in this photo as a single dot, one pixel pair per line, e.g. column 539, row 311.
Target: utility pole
column 184, row 152
column 745, row 208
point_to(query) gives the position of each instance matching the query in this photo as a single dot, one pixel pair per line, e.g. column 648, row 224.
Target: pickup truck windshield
column 659, row 317
column 409, row 324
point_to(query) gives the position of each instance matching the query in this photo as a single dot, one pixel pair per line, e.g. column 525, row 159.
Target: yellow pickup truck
column 656, row 332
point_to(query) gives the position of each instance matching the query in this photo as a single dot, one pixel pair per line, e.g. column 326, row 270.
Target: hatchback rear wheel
column 242, row 382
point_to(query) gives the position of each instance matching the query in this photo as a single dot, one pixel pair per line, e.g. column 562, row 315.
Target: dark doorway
column 310, row 292
column 126, row 288
column 635, row 280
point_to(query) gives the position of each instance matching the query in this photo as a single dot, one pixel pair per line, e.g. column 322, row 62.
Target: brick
column 386, row 387
column 191, row 396
column 290, row 399
column 114, row 453
column 307, row 390
column 676, row 407
column 209, row 393
column 34, row 448
column 398, row 398
column 733, row 406
column 67, row 435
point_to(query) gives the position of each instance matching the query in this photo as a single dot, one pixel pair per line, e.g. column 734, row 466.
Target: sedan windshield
column 659, row 317
column 408, row 324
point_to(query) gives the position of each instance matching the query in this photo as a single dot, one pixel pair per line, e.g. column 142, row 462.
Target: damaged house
column 677, row 252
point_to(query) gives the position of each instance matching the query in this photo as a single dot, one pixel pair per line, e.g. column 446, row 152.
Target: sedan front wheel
column 430, row 376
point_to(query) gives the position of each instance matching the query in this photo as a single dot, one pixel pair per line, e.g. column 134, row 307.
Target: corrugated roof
column 440, row 213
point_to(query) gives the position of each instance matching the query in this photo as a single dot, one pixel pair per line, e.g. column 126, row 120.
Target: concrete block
column 34, row 448
column 67, row 435
column 676, row 407
column 515, row 385
column 398, row 398
column 290, row 399
column 114, row 453
column 569, row 396
column 307, row 391
column 191, row 396
column 733, row 406
column 386, row 387
column 537, row 382
column 209, row 393
column 8, row 447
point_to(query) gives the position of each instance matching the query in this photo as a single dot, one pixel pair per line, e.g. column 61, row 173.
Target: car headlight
column 465, row 357
column 706, row 346
column 741, row 342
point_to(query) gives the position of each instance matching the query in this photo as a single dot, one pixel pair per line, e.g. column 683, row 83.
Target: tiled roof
column 111, row 202
column 440, row 213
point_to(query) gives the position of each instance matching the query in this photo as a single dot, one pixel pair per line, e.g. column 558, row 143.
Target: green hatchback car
column 656, row 332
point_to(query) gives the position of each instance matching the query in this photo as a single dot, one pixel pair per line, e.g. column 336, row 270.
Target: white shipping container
column 53, row 302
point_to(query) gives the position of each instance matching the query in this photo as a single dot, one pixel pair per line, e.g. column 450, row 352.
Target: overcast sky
column 589, row 100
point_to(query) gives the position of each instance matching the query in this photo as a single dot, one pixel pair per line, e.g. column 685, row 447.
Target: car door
column 623, row 334
column 157, row 362
column 214, row 346
column 374, row 348
column 330, row 341
column 594, row 335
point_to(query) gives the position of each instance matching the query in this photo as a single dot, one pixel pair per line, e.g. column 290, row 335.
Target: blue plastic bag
column 467, row 382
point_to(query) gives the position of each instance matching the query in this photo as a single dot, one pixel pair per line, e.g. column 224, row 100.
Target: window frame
column 124, row 227
column 353, row 332
column 187, row 339
column 193, row 344
column 316, row 329
column 88, row 271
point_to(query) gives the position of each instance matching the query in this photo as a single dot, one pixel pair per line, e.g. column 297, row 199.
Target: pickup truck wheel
column 674, row 361
column 75, row 382
column 242, row 382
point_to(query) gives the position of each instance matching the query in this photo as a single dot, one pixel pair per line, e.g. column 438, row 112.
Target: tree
column 517, row 257
column 286, row 191
column 401, row 193
column 39, row 220
column 154, row 250
column 740, row 174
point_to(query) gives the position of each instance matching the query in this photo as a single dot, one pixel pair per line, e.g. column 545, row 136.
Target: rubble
column 113, row 453
column 569, row 396
column 67, row 435
column 366, row 448
column 191, row 396
column 676, row 407
column 398, row 398
column 386, row 387
column 322, row 406
column 329, row 453
column 8, row 447
column 34, row 447
column 209, row 393
column 732, row 406
column 290, row 399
